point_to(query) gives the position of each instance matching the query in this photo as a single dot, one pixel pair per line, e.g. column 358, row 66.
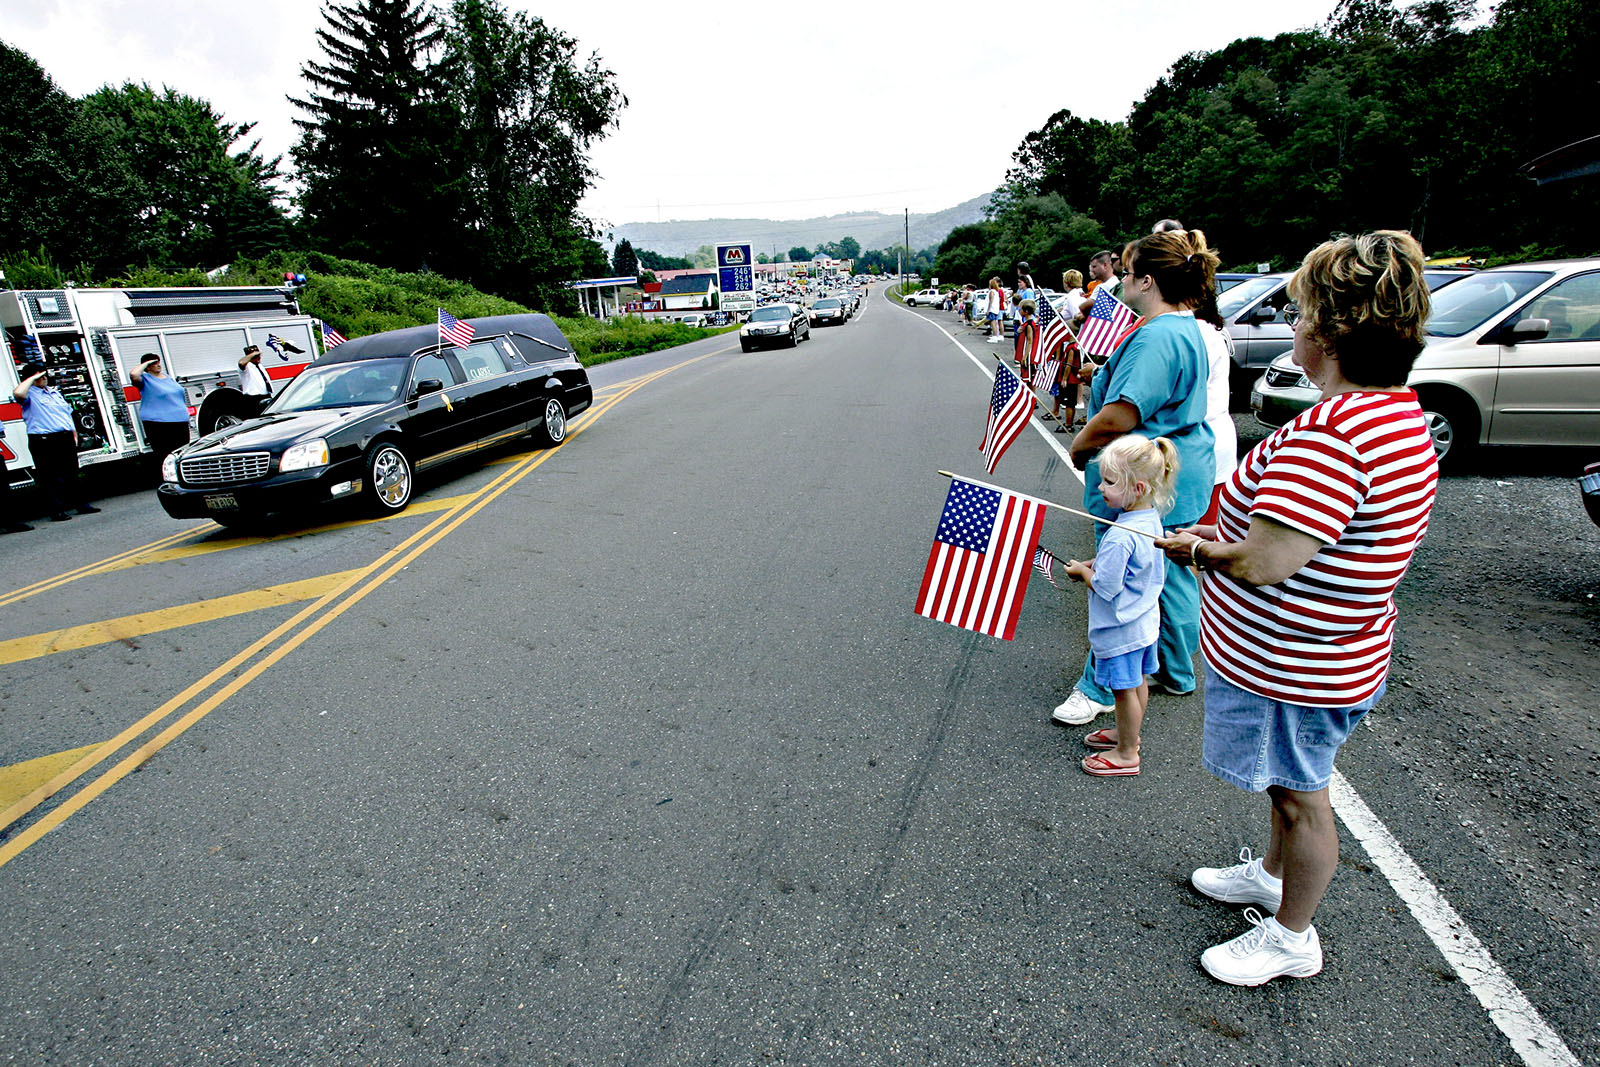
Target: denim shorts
column 1253, row 741
column 1126, row 671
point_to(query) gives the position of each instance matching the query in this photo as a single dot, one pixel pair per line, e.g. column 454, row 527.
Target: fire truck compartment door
column 189, row 353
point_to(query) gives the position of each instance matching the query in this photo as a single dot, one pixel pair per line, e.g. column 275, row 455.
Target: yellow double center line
column 110, row 563
column 216, row 687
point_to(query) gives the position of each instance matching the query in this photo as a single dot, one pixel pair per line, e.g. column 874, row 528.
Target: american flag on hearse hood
column 454, row 330
column 982, row 556
column 1108, row 319
column 1010, row 407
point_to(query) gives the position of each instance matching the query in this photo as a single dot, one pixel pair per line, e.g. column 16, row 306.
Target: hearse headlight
column 305, row 455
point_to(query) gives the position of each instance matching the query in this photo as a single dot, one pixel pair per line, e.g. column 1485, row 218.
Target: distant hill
column 873, row 229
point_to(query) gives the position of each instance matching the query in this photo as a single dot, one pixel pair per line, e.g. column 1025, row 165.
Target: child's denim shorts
column 1252, row 741
column 1126, row 671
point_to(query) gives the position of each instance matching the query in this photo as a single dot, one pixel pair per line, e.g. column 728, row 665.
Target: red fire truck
column 92, row 338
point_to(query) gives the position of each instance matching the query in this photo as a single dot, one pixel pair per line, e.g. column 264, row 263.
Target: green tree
column 799, row 254
column 203, row 205
column 704, row 256
column 67, row 191
column 379, row 151
column 531, row 111
column 961, row 255
column 845, row 248
column 624, row 263
column 656, row 261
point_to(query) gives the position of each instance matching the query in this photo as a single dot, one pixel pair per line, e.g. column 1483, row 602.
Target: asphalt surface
column 648, row 761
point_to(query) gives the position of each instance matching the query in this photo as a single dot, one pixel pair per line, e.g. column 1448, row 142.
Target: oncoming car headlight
column 306, row 454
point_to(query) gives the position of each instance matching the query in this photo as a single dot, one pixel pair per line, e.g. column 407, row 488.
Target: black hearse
column 368, row 414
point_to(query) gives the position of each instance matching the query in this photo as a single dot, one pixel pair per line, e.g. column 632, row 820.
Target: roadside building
column 688, row 292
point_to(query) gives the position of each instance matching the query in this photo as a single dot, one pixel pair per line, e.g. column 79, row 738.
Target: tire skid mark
column 870, row 891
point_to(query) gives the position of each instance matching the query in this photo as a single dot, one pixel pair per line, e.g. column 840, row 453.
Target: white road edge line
column 1531, row 1037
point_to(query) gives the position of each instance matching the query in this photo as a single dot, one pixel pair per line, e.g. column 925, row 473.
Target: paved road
column 633, row 752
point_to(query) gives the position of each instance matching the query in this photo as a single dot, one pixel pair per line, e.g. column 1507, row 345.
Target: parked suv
column 925, row 297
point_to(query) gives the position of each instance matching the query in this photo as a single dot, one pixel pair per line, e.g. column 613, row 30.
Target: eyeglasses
column 1291, row 315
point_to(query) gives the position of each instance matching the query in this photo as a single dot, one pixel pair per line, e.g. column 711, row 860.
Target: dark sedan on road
column 369, row 414
column 775, row 324
column 829, row 310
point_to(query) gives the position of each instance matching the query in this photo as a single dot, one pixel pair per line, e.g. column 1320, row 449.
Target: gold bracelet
column 1194, row 554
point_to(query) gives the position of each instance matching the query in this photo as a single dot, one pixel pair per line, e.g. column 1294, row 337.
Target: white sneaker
column 1078, row 710
column 1243, row 883
column 1262, row 954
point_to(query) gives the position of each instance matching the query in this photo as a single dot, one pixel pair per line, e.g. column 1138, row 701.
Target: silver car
column 1512, row 358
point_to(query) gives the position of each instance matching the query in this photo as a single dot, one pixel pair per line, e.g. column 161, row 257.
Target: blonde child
column 1124, row 582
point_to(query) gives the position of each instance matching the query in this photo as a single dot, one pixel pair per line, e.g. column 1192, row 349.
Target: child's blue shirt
column 1124, row 615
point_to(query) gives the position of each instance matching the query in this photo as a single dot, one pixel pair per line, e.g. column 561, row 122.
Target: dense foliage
column 457, row 143
column 452, row 141
column 1382, row 117
column 125, row 176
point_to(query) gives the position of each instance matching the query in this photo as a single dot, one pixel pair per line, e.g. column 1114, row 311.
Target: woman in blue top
column 163, row 409
column 1154, row 384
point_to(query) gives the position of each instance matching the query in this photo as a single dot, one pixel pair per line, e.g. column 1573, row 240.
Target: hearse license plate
column 221, row 502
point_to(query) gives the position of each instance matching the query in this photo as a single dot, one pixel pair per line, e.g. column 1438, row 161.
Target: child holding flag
column 1027, row 350
column 1124, row 581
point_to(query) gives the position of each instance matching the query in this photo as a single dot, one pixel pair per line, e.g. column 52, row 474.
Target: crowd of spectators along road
column 1302, row 543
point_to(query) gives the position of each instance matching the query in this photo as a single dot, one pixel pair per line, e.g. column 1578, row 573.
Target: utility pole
column 905, row 257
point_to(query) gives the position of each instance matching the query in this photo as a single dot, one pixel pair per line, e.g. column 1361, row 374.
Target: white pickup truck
column 926, row 298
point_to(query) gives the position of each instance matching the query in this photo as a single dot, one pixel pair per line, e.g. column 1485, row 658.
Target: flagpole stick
column 1063, row 507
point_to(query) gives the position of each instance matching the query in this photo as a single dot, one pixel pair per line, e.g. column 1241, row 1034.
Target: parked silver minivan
column 1513, row 358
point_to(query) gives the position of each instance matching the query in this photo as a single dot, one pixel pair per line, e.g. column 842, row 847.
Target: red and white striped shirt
column 1357, row 472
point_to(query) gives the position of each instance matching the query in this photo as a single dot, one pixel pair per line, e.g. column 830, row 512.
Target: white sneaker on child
column 1267, row 951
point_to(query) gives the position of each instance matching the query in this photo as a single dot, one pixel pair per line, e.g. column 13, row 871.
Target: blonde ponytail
column 1135, row 458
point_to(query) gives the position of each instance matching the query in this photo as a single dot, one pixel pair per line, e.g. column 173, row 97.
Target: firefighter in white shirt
column 253, row 380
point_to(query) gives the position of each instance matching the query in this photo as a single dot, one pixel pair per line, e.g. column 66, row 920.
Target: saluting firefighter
column 253, row 380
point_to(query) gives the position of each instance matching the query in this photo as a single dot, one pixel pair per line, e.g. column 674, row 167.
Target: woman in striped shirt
column 1314, row 531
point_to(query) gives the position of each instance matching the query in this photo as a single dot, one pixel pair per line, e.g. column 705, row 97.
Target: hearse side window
column 481, row 361
column 433, row 365
column 534, row 352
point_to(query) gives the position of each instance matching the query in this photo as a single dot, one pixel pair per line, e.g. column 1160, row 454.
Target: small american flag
column 330, row 336
column 1010, row 408
column 977, row 569
column 454, row 330
column 1053, row 327
column 1108, row 319
column 1044, row 560
column 1044, row 374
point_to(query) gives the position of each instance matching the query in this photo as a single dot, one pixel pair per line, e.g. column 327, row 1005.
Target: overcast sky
column 750, row 109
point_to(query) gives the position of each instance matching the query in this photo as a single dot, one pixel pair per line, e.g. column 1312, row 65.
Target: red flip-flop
column 1100, row 739
column 1101, row 767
